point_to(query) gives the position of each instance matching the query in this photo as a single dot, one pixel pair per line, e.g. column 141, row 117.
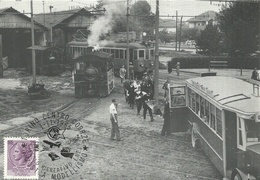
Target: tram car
column 140, row 56
column 223, row 114
column 93, row 74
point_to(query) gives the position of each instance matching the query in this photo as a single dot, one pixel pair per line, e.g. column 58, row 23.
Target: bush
column 203, row 62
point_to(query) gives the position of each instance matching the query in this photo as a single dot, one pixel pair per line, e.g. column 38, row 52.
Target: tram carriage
column 223, row 114
column 93, row 74
column 141, row 56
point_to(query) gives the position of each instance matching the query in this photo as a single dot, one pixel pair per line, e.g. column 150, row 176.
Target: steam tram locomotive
column 93, row 74
column 140, row 56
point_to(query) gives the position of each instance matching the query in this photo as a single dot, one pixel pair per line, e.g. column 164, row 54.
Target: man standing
column 113, row 118
column 166, row 130
column 166, row 87
column 146, row 107
column 122, row 73
column 178, row 68
column 254, row 74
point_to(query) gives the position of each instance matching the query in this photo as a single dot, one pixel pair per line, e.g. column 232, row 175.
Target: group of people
column 139, row 93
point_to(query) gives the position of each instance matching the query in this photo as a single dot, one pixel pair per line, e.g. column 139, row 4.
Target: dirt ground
column 143, row 153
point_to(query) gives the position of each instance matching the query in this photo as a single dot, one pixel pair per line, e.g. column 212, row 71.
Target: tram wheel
column 236, row 176
column 194, row 139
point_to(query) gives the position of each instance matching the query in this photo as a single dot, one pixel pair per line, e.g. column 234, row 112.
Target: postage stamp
column 21, row 158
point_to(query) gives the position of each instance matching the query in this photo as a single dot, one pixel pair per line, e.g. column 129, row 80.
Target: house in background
column 202, row 20
column 65, row 23
column 168, row 24
column 64, row 26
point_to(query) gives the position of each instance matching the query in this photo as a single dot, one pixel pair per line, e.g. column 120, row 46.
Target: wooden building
column 15, row 28
column 63, row 25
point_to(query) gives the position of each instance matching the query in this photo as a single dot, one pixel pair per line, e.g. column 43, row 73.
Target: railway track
column 171, row 155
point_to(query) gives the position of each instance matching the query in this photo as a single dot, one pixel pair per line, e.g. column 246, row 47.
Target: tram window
column 135, row 54
column 252, row 131
column 151, row 53
column 108, row 51
column 202, row 106
column 112, row 52
column 141, row 54
column 117, row 53
column 219, row 122
column 125, row 54
column 77, row 66
column 190, row 100
column 197, row 104
column 193, row 100
column 212, row 116
column 121, row 54
column 177, row 96
column 207, row 111
column 240, row 132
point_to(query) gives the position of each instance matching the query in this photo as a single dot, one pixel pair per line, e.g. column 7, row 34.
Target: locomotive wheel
column 237, row 176
column 194, row 139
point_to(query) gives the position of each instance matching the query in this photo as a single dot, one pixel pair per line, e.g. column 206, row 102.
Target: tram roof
column 100, row 54
column 132, row 45
column 228, row 91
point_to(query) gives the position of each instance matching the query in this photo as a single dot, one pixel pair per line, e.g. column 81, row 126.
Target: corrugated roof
column 12, row 10
column 206, row 16
column 3, row 10
column 54, row 18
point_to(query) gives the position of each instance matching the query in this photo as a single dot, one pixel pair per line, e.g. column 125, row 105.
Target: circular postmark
column 62, row 146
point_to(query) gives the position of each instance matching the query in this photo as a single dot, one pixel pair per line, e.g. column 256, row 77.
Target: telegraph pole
column 156, row 62
column 180, row 34
column 33, row 50
column 127, row 40
column 176, row 38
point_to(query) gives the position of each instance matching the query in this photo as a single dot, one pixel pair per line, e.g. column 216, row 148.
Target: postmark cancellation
column 20, row 158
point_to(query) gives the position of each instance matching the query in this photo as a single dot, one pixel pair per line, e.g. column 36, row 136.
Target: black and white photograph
column 130, row 89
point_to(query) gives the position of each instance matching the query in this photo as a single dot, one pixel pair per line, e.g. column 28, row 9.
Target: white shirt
column 112, row 109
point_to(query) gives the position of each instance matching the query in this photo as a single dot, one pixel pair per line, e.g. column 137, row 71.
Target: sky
column 166, row 7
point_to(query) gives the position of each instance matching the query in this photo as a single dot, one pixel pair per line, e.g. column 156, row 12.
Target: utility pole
column 176, row 39
column 33, row 50
column 156, row 61
column 127, row 40
column 1, row 58
column 180, row 35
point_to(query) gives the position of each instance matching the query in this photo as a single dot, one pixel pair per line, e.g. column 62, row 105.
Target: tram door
column 231, row 138
column 179, row 110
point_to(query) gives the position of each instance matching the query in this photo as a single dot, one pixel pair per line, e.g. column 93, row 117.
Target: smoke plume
column 103, row 24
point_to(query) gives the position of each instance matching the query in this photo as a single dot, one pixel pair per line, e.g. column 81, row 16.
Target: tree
column 208, row 41
column 189, row 33
column 142, row 19
column 164, row 36
column 240, row 24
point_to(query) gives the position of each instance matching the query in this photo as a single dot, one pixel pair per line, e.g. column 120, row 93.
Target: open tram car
column 141, row 56
column 93, row 74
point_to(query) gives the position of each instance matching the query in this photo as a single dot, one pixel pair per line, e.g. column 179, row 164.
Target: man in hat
column 122, row 73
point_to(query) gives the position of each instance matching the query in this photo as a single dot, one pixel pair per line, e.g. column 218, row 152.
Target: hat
column 145, row 73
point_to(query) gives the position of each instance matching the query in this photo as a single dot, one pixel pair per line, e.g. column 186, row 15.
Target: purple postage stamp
column 21, row 158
